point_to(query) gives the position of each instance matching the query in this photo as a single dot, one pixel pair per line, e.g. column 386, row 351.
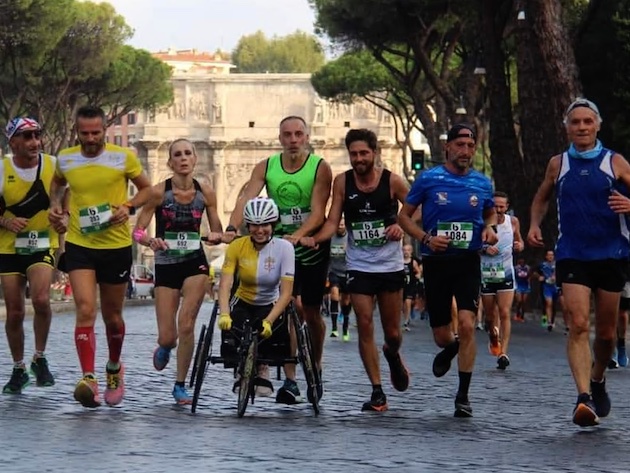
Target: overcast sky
column 210, row 24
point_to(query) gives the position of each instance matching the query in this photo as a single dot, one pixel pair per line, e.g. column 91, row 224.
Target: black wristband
column 495, row 228
column 230, row 228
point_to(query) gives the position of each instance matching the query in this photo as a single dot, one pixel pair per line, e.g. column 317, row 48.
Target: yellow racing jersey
column 97, row 187
column 15, row 184
column 259, row 272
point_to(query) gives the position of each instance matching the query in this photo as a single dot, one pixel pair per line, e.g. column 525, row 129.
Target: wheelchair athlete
column 265, row 266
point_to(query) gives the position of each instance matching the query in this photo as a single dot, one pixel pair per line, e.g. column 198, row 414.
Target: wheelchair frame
column 247, row 360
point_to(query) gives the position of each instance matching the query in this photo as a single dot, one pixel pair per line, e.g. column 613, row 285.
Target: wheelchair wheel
column 193, row 373
column 203, row 357
column 247, row 371
column 307, row 360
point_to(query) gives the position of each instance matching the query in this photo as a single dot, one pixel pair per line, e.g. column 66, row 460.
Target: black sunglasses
column 30, row 134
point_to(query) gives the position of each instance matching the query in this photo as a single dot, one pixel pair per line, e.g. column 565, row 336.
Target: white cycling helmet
column 261, row 210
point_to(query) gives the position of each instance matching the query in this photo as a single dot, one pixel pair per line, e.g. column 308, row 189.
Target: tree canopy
column 296, row 52
column 57, row 56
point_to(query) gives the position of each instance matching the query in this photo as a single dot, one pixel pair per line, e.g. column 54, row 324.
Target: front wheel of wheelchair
column 197, row 354
column 247, row 372
column 202, row 358
column 307, row 360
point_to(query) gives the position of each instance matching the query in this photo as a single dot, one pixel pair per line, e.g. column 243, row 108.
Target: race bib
column 521, row 274
column 369, row 233
column 27, row 243
column 459, row 233
column 293, row 218
column 181, row 243
column 94, row 219
column 337, row 250
column 550, row 280
column 492, row 272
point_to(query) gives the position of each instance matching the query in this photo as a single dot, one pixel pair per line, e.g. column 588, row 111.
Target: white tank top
column 501, row 264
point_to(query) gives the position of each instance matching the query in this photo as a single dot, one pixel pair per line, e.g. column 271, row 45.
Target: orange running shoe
column 494, row 345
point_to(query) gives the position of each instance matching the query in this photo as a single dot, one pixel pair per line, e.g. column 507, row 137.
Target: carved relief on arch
column 233, row 190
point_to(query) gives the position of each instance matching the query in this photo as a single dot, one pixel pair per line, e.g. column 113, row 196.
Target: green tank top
column 292, row 194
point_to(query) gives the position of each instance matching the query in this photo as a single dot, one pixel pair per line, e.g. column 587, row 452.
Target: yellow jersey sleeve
column 133, row 167
column 230, row 261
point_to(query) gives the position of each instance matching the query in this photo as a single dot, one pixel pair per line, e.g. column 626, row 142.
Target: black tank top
column 360, row 206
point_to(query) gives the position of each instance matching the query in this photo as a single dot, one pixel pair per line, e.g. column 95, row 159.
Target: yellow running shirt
column 14, row 184
column 97, row 185
column 259, row 272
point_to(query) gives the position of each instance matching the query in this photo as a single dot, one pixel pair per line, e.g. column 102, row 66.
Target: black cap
column 461, row 130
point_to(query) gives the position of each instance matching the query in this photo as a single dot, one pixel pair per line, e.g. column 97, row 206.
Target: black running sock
column 181, row 384
column 621, row 342
column 464, row 384
column 345, row 311
column 377, row 388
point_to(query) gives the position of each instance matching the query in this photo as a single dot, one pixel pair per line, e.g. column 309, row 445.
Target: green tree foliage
column 297, row 52
column 603, row 56
column 357, row 75
column 57, row 56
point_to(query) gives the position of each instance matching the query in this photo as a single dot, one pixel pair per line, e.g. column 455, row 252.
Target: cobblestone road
column 522, row 417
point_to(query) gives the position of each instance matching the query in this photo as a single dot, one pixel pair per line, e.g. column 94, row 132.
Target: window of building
column 131, row 140
column 118, row 121
column 118, row 140
column 131, row 118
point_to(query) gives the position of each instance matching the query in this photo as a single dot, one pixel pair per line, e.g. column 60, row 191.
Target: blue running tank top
column 452, row 204
column 588, row 229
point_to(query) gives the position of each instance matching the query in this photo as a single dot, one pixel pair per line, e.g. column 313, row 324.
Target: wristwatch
column 132, row 209
column 230, row 228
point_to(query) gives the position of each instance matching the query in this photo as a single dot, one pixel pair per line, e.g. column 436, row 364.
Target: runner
column 368, row 197
column 458, row 216
column 410, row 289
column 337, row 278
column 497, row 280
column 27, row 247
column 299, row 183
column 98, row 243
column 523, row 288
column 591, row 185
column 181, row 268
column 549, row 288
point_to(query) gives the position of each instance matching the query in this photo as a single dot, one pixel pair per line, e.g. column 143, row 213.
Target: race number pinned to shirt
column 95, row 218
column 27, row 243
column 492, row 272
column 368, row 233
column 181, row 243
column 293, row 218
column 337, row 250
column 459, row 233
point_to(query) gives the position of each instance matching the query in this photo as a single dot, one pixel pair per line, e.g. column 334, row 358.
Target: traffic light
column 417, row 160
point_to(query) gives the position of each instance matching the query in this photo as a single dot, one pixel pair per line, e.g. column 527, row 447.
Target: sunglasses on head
column 30, row 134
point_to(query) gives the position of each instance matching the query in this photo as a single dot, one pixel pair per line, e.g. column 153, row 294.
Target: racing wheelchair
column 243, row 350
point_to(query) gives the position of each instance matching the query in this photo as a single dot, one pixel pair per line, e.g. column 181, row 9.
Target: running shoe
column 181, row 396
column 462, row 407
column 161, row 357
column 377, row 403
column 86, row 391
column 115, row 386
column 503, row 361
column 550, row 328
column 39, row 368
column 334, row 334
column 600, row 398
column 543, row 321
column 346, row 337
column 622, row 356
column 442, row 361
column 18, row 381
column 289, row 393
column 494, row 344
column 399, row 373
column 407, row 327
column 584, row 413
